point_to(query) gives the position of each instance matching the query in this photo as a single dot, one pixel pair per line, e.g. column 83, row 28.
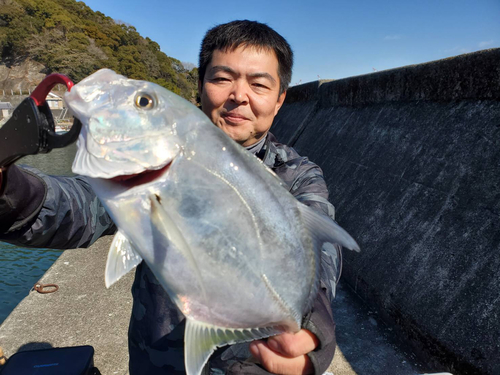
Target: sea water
column 21, row 268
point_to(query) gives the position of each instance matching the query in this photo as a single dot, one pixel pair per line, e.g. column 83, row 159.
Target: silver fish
column 236, row 252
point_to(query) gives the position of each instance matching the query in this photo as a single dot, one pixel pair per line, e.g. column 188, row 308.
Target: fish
column 234, row 250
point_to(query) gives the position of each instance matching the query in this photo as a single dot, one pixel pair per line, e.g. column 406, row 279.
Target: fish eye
column 144, row 101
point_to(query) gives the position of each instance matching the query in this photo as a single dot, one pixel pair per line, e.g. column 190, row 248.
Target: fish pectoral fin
column 122, row 257
column 325, row 230
column 167, row 227
column 201, row 339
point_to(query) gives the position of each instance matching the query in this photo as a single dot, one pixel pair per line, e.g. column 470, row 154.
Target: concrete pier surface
column 81, row 312
column 84, row 312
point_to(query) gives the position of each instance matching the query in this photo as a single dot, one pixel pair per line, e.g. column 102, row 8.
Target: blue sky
column 331, row 39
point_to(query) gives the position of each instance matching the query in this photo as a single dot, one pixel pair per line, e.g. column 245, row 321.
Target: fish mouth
column 131, row 180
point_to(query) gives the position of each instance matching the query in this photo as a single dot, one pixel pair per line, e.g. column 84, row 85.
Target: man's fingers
column 294, row 344
column 277, row 363
column 286, row 353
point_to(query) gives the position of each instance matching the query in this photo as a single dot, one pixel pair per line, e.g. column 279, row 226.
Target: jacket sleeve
column 309, row 187
column 37, row 210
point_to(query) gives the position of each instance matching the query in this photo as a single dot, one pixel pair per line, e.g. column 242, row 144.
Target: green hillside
column 70, row 38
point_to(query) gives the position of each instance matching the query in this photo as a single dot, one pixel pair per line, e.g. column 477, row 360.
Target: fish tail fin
column 201, row 339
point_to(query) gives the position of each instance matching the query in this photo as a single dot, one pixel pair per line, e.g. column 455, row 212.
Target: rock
column 24, row 76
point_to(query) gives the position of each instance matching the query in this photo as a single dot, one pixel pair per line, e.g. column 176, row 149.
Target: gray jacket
column 37, row 210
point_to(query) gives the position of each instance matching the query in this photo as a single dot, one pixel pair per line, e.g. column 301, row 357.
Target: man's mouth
column 233, row 118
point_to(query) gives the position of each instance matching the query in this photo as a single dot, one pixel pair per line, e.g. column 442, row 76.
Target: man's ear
column 279, row 103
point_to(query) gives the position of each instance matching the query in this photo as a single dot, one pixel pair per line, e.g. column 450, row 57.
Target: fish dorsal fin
column 201, row 339
column 324, row 230
column 122, row 257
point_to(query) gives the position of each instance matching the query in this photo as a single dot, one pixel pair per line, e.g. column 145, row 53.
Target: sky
column 330, row 39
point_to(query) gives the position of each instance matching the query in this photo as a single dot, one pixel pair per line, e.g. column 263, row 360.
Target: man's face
column 240, row 92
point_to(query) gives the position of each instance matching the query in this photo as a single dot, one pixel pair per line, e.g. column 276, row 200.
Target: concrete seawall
column 412, row 161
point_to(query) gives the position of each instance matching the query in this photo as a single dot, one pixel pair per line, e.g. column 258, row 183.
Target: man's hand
column 286, row 353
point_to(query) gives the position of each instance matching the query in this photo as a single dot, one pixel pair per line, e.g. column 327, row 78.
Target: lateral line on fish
column 255, row 224
column 286, row 308
column 241, row 254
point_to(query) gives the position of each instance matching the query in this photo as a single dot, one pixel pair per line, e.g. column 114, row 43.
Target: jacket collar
column 269, row 153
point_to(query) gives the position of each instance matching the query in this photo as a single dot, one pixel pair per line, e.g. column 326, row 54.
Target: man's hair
column 229, row 36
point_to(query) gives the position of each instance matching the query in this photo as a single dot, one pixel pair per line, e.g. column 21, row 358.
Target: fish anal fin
column 122, row 258
column 201, row 339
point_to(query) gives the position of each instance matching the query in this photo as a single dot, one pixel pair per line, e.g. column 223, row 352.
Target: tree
column 68, row 37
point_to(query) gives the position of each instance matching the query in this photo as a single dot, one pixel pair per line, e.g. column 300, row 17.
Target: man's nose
column 239, row 93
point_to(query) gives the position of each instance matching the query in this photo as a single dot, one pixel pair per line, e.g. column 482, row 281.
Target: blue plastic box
column 75, row 360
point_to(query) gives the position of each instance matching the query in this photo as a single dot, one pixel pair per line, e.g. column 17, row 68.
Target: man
column 245, row 69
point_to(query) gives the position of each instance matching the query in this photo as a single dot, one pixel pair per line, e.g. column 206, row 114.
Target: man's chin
column 249, row 141
column 236, row 136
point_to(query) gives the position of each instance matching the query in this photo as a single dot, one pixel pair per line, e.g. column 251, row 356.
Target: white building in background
column 54, row 101
column 5, row 110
